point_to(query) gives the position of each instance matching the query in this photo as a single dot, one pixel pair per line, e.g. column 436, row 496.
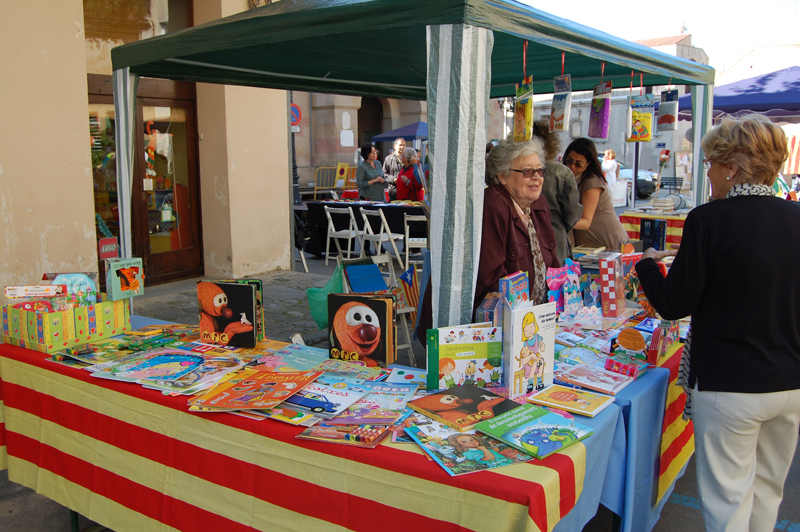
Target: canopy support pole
column 459, row 74
column 124, row 84
column 702, row 117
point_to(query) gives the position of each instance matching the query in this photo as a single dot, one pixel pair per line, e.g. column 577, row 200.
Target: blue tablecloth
column 642, row 404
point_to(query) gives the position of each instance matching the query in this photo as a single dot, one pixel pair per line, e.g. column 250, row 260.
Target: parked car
column 645, row 185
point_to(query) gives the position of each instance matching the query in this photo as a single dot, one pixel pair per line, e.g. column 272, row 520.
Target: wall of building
column 244, row 170
column 46, row 199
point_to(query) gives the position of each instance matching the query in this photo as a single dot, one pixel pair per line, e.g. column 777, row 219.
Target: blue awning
column 415, row 131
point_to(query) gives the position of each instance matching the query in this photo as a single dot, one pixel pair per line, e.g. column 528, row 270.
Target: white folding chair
column 384, row 262
column 352, row 231
column 383, row 235
column 417, row 242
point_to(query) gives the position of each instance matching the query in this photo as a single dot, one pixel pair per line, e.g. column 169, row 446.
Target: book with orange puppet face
column 362, row 327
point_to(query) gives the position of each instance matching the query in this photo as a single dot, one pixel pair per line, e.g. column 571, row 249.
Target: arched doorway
column 370, row 120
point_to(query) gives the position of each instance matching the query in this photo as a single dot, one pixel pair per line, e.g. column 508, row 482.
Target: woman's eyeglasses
column 571, row 162
column 528, row 173
column 707, row 164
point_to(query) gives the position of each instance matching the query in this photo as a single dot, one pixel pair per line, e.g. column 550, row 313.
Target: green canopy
column 379, row 48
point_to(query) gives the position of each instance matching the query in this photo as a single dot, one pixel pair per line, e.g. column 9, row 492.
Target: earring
column 728, row 178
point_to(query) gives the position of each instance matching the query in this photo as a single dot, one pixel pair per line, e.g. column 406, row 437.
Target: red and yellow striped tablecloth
column 677, row 435
column 133, row 459
column 632, row 225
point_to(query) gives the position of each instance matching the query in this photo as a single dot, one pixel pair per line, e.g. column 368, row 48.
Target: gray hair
column 499, row 159
column 409, row 153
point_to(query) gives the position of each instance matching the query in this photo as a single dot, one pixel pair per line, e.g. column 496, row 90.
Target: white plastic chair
column 384, row 262
column 352, row 231
column 418, row 243
column 383, row 235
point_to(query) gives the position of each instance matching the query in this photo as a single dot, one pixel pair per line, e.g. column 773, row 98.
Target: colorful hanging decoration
column 668, row 111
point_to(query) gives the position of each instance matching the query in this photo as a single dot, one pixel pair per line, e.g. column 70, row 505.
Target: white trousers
column 744, row 446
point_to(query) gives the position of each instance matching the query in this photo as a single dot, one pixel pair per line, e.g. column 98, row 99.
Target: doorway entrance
column 165, row 209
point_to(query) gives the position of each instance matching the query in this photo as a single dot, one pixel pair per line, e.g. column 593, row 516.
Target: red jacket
column 413, row 191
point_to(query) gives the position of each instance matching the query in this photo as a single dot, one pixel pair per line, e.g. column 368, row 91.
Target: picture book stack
column 461, row 407
column 572, row 400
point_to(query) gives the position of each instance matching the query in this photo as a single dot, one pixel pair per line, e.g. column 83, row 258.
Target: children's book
column 641, row 118
column 383, row 405
column 514, row 287
column 202, row 378
column 535, row 430
column 362, row 327
column 523, row 110
column 580, row 355
column 491, row 309
column 356, row 368
column 461, row 407
column 160, row 364
column 406, row 375
column 228, row 313
column 410, row 418
column 595, row 378
column 528, row 347
column 365, row 278
column 199, row 347
column 327, row 400
column 251, row 389
column 600, row 114
column 572, row 400
column 464, row 355
column 463, row 452
column 668, row 111
column 292, row 357
column 367, row 436
column 562, row 102
column 285, row 414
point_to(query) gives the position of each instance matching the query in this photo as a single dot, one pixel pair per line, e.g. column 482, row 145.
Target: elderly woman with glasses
column 517, row 234
column 736, row 275
column 599, row 224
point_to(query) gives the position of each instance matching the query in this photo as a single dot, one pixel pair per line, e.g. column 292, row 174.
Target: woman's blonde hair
column 611, row 154
column 753, row 143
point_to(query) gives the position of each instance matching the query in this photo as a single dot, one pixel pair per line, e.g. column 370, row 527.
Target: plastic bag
column 318, row 298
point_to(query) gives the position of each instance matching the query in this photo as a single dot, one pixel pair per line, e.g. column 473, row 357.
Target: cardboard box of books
column 49, row 332
column 124, row 278
column 528, row 346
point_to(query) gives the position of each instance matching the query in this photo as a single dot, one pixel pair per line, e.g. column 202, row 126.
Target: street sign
column 295, row 114
column 295, row 129
column 661, row 145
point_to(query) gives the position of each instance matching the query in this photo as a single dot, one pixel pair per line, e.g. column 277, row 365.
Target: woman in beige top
column 599, row 224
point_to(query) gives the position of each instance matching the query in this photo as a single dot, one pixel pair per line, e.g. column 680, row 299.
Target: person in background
column 560, row 191
column 393, row 165
column 599, row 224
column 735, row 274
column 369, row 175
column 409, row 182
column 610, row 168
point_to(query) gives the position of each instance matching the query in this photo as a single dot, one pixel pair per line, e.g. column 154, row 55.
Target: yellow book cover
column 572, row 400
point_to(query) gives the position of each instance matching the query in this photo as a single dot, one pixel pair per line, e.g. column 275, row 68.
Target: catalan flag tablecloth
column 135, row 460
column 632, row 225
